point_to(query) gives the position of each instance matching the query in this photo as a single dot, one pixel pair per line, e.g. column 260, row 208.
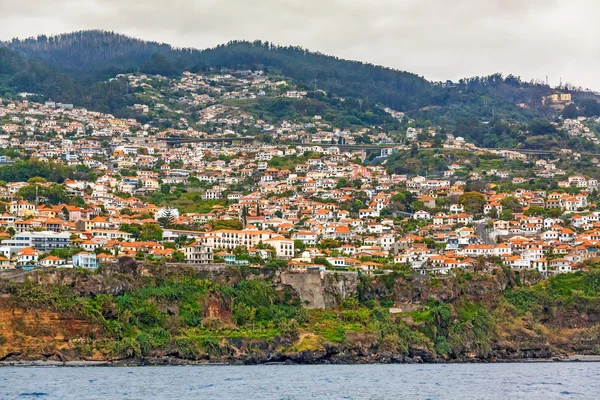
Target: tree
column 418, row 205
column 342, row 182
column 178, row 256
column 299, row 245
column 414, row 149
column 570, row 111
column 507, row 215
column 151, row 232
column 159, row 64
column 91, row 176
column 165, row 189
column 554, row 212
column 225, row 224
column 323, row 261
column 329, row 244
column 130, row 228
column 590, row 107
column 539, row 127
column 511, row 203
column 473, row 202
column 245, row 215
column 181, row 240
column 277, row 265
column 357, row 183
column 399, row 197
column 168, row 217
column 479, row 264
column 78, row 201
column 535, row 211
column 36, row 179
column 357, row 205
column 53, row 194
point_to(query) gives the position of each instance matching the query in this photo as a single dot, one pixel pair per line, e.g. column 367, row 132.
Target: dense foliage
column 191, row 317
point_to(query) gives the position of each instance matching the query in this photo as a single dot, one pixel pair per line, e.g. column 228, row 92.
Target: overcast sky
column 439, row 39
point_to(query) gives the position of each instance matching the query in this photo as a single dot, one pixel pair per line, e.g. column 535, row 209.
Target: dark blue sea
column 544, row 381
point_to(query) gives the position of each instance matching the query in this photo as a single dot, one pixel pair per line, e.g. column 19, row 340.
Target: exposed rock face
column 37, row 330
column 115, row 279
column 419, row 289
column 43, row 335
column 322, row 289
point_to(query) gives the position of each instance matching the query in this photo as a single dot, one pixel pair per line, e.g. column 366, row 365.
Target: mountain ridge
column 94, row 52
column 76, row 68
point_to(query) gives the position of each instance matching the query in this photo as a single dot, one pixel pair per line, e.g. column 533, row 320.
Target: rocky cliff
column 131, row 312
column 322, row 289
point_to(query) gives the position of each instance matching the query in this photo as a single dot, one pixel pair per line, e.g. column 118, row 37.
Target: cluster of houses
column 310, row 204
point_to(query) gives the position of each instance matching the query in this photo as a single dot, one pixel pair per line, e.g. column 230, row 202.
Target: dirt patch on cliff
column 38, row 334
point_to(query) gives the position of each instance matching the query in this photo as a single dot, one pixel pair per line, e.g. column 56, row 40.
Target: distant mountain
column 95, row 53
column 73, row 67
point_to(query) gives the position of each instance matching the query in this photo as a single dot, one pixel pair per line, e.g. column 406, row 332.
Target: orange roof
column 342, row 229
column 104, row 255
column 28, row 251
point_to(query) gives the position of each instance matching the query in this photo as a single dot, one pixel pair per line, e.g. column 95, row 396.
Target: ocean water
column 450, row 381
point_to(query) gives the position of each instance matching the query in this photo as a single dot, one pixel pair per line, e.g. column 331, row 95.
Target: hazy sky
column 439, row 39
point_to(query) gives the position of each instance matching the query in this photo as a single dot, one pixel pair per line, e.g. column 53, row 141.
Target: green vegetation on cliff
column 234, row 317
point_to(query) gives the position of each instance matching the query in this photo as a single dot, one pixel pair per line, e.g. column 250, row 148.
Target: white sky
column 439, row 39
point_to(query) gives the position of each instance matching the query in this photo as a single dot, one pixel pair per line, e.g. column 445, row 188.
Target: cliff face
column 43, row 335
column 424, row 288
column 114, row 280
column 178, row 315
column 322, row 289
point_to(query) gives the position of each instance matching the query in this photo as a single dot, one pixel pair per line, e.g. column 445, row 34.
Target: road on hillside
column 482, row 232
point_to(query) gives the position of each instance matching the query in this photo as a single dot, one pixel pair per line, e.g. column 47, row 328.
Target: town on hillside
column 195, row 175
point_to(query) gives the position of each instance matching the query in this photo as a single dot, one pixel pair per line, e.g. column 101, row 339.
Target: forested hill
column 89, row 53
column 74, row 68
column 18, row 73
column 91, row 56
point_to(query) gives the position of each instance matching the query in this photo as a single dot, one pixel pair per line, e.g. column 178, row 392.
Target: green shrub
column 191, row 314
column 212, row 346
column 255, row 293
column 128, row 347
column 186, row 348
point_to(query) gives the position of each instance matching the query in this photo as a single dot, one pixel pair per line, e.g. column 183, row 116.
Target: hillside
column 89, row 52
column 75, row 67
column 20, row 74
column 92, row 53
column 176, row 315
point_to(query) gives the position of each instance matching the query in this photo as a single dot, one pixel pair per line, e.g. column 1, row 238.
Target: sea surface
column 544, row 381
